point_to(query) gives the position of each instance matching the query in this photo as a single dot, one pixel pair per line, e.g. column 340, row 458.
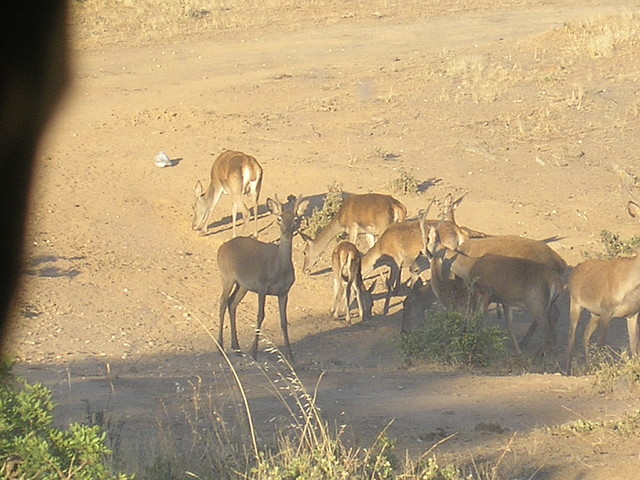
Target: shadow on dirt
column 47, row 266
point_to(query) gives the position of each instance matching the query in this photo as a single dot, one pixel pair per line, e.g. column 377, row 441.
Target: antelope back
column 345, row 261
column 514, row 246
column 372, row 212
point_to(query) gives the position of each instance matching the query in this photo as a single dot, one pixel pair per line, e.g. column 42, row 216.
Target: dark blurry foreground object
column 33, row 73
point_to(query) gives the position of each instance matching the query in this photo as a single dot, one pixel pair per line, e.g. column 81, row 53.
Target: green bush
column 612, row 369
column 406, row 183
column 614, row 246
column 31, row 448
column 320, row 218
column 453, row 338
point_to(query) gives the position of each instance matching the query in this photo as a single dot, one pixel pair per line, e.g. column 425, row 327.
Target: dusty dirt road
column 503, row 103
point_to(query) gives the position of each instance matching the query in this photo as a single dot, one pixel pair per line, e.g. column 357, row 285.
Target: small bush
column 320, row 218
column 30, row 447
column 614, row 246
column 406, row 183
column 452, row 338
column 612, row 369
column 628, row 424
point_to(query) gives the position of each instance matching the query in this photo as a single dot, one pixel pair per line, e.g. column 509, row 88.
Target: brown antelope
column 451, row 237
column 606, row 289
column 237, row 175
column 509, row 270
column 370, row 212
column 513, row 282
column 347, row 274
column 453, row 293
column 246, row 264
column 401, row 244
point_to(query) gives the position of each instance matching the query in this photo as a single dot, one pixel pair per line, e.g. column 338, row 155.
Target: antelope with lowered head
column 370, row 212
column 237, row 175
column 247, row 264
column 347, row 274
column 528, row 276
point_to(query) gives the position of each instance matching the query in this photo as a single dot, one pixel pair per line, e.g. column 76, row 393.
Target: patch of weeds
column 614, row 246
column 320, row 218
column 612, row 370
column 627, row 425
column 405, row 183
column 452, row 338
column 431, row 470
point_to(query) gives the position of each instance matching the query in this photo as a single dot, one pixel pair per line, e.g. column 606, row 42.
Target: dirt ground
column 530, row 107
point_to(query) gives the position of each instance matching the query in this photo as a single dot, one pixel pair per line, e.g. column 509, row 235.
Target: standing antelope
column 347, row 274
column 402, row 242
column 246, row 264
column 509, row 270
column 606, row 289
column 450, row 236
column 235, row 174
column 370, row 212
column 399, row 245
column 453, row 293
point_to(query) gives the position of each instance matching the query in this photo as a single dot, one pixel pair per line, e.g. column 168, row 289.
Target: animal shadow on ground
column 427, row 184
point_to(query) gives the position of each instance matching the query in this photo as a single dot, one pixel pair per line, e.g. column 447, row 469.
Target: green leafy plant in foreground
column 32, row 448
column 453, row 338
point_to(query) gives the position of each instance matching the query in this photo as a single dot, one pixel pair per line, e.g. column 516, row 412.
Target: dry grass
column 105, row 22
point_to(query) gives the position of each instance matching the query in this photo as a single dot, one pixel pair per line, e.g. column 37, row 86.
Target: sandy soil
column 512, row 105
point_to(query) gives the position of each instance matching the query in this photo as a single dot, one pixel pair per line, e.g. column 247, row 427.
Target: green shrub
column 406, row 183
column 320, row 218
column 612, row 369
column 31, row 448
column 614, row 246
column 453, row 338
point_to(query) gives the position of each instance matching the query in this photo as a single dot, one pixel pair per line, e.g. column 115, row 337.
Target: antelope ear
column 199, row 189
column 274, row 206
column 302, row 207
column 634, row 209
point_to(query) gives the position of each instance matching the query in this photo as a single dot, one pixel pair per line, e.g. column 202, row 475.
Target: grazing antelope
column 370, row 212
column 246, row 264
column 347, row 274
column 235, row 174
column 509, row 280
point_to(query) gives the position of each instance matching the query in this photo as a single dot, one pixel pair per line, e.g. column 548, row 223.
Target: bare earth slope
column 519, row 106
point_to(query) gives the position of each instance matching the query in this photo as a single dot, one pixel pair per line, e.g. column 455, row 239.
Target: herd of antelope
column 468, row 269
